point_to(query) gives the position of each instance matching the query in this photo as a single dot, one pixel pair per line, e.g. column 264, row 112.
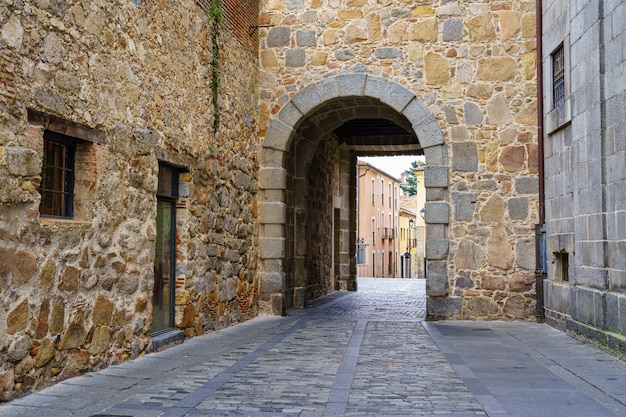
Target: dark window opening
column 558, row 78
column 562, row 272
column 57, row 176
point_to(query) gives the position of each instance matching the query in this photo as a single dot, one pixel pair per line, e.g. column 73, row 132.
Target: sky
column 393, row 165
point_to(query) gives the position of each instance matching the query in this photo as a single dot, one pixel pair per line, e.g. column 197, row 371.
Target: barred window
column 558, row 78
column 57, row 176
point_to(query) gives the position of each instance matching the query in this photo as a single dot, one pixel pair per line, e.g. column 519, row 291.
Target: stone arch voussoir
column 273, row 180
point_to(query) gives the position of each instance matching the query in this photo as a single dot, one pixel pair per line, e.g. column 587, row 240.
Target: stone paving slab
column 352, row 354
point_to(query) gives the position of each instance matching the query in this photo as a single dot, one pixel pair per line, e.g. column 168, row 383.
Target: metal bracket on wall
column 254, row 28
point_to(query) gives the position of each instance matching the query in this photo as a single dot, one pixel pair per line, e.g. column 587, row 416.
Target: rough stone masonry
column 131, row 84
column 469, row 67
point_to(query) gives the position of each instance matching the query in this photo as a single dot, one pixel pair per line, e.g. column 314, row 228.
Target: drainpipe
column 540, row 228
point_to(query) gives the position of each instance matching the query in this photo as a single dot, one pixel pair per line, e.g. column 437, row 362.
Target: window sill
column 56, row 221
column 556, row 120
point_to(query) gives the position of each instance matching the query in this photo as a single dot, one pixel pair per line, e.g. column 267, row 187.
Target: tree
column 409, row 186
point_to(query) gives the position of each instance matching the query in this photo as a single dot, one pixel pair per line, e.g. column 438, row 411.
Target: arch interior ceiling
column 367, row 127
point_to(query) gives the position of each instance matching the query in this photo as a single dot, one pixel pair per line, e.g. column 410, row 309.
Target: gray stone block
column 307, row 99
column 294, row 4
column 271, row 282
column 429, row 132
column 305, row 38
column 527, row 185
column 345, row 54
column 464, row 157
column 415, row 111
column 437, row 285
column 351, row 84
column 388, row 53
column 443, row 307
column 436, row 155
column 437, row 248
column 464, row 204
column 435, row 176
column 525, row 253
column 473, row 114
column 397, row 96
column 271, row 247
column 452, row 30
column 328, row 88
column 518, row 208
column 272, row 157
column 290, row 115
column 278, row 36
column 612, row 311
column 295, row 58
column 272, row 213
column 582, row 305
column 437, row 212
column 278, row 308
column 375, row 87
column 450, row 113
column 278, row 136
column 437, row 194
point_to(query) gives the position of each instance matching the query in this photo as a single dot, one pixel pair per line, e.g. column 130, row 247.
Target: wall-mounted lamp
column 422, row 213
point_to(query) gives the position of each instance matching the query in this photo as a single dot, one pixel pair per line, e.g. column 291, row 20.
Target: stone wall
column 472, row 65
column 322, row 178
column 584, row 164
column 132, row 81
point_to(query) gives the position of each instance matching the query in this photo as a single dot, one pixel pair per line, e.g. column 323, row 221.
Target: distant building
column 377, row 239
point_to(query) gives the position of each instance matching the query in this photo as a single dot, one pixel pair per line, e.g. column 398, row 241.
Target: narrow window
column 382, row 192
column 563, row 266
column 373, row 192
column 558, row 78
column 57, row 176
column 373, row 264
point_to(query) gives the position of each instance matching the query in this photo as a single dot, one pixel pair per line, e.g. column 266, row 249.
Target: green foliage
column 410, row 186
column 216, row 20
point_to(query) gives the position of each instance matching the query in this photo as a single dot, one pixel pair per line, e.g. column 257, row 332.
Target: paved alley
column 368, row 353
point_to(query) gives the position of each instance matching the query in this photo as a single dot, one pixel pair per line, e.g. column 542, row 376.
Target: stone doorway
column 307, row 185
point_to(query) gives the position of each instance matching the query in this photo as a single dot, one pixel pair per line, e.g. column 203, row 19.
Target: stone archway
column 288, row 146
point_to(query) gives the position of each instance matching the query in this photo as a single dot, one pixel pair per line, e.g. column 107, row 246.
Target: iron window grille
column 558, row 79
column 57, row 176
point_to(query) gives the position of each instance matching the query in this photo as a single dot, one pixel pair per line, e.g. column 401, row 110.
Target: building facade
column 128, row 176
column 584, row 140
column 377, row 244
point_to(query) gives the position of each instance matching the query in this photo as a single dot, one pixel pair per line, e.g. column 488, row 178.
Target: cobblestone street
column 367, row 353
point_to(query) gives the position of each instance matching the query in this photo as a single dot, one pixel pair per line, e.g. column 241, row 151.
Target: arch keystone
column 351, row 84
